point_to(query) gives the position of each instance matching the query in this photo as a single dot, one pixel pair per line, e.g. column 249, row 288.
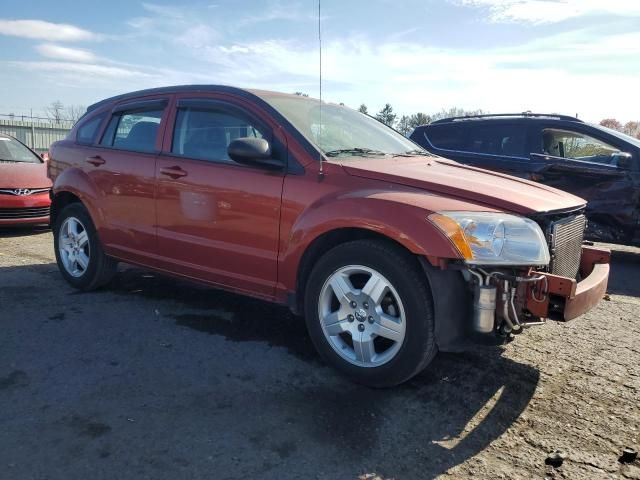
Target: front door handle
column 96, row 160
column 173, row 172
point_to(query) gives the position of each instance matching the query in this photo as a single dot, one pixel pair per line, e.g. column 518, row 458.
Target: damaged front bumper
column 507, row 301
column 562, row 298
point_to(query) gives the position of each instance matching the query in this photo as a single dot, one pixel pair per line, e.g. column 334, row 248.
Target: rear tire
column 369, row 312
column 78, row 250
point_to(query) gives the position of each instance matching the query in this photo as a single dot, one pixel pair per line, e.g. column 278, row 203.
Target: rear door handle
column 96, row 160
column 173, row 172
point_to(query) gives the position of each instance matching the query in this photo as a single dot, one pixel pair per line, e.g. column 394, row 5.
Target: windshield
column 11, row 150
column 341, row 132
column 622, row 136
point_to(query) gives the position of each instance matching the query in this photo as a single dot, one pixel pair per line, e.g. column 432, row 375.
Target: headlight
column 487, row 238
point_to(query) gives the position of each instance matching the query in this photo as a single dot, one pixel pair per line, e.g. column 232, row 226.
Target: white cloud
column 81, row 70
column 567, row 73
column 277, row 11
column 59, row 52
column 41, row 30
column 552, row 11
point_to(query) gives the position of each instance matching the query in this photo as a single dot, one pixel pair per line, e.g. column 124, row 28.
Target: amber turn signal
column 454, row 232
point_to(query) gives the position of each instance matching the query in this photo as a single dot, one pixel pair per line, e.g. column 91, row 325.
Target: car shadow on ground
column 444, row 416
column 20, row 231
column 312, row 417
column 625, row 270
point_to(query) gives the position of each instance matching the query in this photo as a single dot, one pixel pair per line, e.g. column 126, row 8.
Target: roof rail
column 527, row 114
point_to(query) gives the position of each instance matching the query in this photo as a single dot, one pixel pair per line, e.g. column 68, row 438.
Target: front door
column 218, row 220
column 581, row 164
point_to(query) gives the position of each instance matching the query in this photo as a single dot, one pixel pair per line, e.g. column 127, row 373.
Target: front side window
column 577, row 146
column 206, row 134
column 133, row 130
column 11, row 150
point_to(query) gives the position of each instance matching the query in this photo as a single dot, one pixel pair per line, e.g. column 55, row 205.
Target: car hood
column 443, row 176
column 23, row 175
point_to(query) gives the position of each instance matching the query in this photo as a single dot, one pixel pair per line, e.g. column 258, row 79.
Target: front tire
column 78, row 250
column 369, row 312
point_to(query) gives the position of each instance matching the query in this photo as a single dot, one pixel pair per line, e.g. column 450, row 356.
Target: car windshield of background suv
column 12, row 150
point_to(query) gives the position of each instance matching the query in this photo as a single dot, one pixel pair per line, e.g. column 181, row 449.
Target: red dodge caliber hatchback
column 391, row 253
column 24, row 185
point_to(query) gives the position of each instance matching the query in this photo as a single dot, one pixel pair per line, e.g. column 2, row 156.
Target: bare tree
column 74, row 112
column 55, row 111
column 454, row 112
column 611, row 123
column 632, row 129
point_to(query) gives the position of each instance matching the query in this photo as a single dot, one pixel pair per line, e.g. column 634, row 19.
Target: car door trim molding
column 141, row 105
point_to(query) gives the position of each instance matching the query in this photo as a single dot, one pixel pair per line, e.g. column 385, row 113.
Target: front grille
column 565, row 245
column 20, row 213
column 23, row 191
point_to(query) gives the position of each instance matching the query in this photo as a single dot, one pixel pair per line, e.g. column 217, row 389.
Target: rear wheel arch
column 61, row 200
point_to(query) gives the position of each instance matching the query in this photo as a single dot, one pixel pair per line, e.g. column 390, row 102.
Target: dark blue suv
column 594, row 162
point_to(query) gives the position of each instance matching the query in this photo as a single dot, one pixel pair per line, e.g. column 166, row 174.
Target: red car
column 391, row 253
column 24, row 185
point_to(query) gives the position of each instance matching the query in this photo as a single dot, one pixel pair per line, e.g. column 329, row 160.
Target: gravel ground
column 154, row 378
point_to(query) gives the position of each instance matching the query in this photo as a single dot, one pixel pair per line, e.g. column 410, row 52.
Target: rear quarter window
column 89, row 129
column 446, row 137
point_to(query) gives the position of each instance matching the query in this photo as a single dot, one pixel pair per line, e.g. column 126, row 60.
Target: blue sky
column 566, row 56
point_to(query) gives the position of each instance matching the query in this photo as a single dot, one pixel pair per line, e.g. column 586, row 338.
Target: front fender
column 398, row 215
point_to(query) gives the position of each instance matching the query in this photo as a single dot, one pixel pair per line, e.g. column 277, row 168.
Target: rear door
column 578, row 162
column 498, row 146
column 123, row 167
column 219, row 220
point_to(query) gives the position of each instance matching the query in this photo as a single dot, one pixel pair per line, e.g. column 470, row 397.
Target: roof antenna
column 321, row 171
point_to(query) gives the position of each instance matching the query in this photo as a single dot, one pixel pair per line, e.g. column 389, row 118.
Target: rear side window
column 135, row 130
column 205, row 134
column 87, row 132
column 507, row 140
column 446, row 137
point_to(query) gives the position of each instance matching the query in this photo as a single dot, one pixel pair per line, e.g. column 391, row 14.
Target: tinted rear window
column 448, row 137
column 507, row 140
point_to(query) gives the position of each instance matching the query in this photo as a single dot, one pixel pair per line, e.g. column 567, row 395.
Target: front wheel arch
column 323, row 244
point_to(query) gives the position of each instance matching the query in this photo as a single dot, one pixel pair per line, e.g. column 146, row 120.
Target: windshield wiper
column 410, row 153
column 354, row 151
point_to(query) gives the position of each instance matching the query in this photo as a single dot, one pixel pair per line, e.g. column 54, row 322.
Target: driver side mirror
column 621, row 160
column 252, row 151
